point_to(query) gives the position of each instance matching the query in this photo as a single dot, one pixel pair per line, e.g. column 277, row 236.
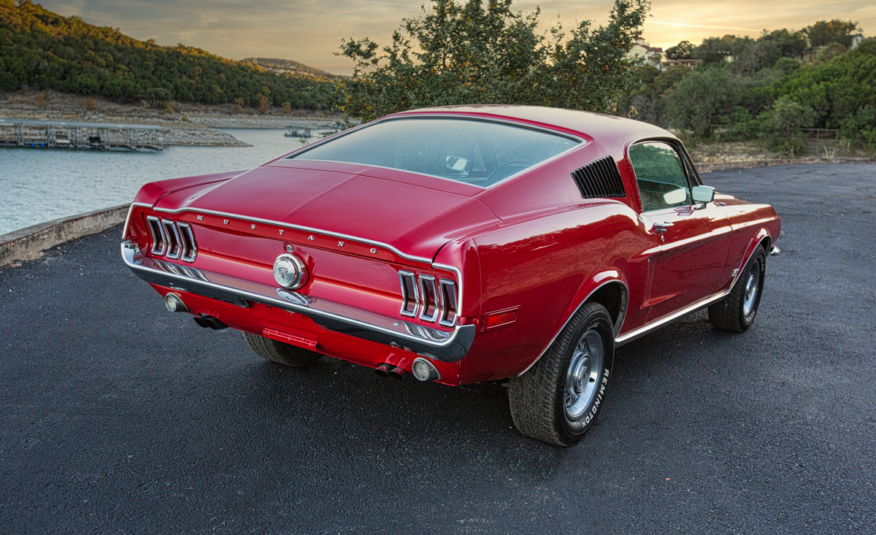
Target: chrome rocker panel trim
column 440, row 345
column 690, row 309
column 645, row 329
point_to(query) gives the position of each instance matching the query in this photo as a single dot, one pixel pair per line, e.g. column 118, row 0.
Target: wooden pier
column 79, row 135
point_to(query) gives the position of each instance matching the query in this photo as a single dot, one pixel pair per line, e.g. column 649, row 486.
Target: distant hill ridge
column 290, row 67
column 44, row 50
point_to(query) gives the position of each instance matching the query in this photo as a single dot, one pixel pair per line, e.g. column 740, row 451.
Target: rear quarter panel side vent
column 599, row 179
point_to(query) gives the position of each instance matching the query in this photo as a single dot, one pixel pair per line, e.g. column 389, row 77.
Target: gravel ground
column 116, row 416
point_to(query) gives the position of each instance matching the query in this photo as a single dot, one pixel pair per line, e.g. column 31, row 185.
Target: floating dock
column 79, row 135
column 310, row 131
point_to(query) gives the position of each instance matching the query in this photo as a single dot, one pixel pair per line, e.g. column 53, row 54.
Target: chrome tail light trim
column 410, row 294
column 174, row 243
column 449, row 307
column 189, row 246
column 158, row 235
column 429, row 299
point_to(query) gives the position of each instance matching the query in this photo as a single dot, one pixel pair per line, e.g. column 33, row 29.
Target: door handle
column 662, row 226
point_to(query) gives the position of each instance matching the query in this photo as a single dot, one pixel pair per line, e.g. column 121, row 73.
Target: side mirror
column 703, row 194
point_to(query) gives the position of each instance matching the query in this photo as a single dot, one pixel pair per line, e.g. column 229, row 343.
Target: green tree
column 790, row 43
column 701, row 99
column 830, row 52
column 717, row 49
column 648, row 102
column 477, row 52
column 683, row 50
column 756, row 57
column 835, row 90
column 781, row 126
column 787, row 65
column 823, row 32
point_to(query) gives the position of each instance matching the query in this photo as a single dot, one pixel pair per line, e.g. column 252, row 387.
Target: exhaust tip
column 383, row 370
column 423, row 370
column 397, row 373
column 174, row 303
column 210, row 322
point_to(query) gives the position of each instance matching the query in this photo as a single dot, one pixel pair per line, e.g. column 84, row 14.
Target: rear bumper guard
column 440, row 345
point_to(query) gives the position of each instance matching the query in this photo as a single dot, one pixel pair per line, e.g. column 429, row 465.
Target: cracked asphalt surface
column 119, row 417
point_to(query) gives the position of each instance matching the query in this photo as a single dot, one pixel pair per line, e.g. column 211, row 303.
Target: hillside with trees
column 287, row 66
column 42, row 50
column 778, row 88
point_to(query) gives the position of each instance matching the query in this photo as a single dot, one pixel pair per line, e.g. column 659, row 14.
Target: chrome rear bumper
column 440, row 345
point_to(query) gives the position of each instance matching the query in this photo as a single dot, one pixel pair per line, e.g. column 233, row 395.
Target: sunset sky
column 309, row 31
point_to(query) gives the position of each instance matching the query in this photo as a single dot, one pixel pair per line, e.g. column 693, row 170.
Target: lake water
column 38, row 185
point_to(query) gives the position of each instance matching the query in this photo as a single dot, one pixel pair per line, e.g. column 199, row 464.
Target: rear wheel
column 557, row 400
column 279, row 352
column 737, row 311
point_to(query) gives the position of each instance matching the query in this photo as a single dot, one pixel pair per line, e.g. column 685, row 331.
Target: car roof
column 595, row 125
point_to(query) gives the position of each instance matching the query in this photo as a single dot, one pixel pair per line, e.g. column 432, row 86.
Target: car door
column 690, row 241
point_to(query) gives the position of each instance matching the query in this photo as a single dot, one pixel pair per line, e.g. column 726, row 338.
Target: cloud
column 310, row 31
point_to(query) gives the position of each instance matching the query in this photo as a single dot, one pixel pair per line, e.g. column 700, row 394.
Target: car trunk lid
column 415, row 214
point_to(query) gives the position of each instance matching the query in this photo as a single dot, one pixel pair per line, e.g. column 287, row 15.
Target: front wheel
column 737, row 311
column 558, row 399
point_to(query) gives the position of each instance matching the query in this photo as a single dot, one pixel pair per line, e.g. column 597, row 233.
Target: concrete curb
column 750, row 164
column 28, row 243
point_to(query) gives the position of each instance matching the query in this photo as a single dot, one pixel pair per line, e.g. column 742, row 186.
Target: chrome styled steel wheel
column 737, row 311
column 558, row 399
column 752, row 287
column 582, row 375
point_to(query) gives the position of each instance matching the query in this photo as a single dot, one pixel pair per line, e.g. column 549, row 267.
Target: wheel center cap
column 582, row 373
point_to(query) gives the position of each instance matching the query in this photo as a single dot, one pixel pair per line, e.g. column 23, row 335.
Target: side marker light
column 498, row 318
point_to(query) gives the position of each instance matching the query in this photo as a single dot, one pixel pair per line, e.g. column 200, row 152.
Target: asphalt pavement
column 117, row 416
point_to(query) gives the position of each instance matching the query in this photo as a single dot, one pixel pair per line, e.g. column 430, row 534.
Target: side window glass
column 660, row 175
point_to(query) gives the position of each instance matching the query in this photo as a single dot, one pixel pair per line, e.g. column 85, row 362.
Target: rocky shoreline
column 184, row 125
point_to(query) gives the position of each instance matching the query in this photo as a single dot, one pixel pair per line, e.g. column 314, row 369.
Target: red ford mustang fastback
column 461, row 245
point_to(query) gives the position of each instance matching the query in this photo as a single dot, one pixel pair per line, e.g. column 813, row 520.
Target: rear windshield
column 471, row 151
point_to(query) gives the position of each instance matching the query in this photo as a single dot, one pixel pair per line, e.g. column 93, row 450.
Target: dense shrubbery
column 41, row 49
column 774, row 88
column 475, row 52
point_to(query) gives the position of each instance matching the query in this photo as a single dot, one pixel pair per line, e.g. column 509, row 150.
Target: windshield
column 471, row 151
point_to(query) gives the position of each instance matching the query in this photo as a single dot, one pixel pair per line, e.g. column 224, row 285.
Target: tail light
column 174, row 248
column 171, row 239
column 159, row 238
column 435, row 300
column 449, row 311
column 428, row 298
column 189, row 247
column 410, row 294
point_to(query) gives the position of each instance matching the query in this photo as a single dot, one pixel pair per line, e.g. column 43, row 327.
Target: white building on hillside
column 652, row 55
